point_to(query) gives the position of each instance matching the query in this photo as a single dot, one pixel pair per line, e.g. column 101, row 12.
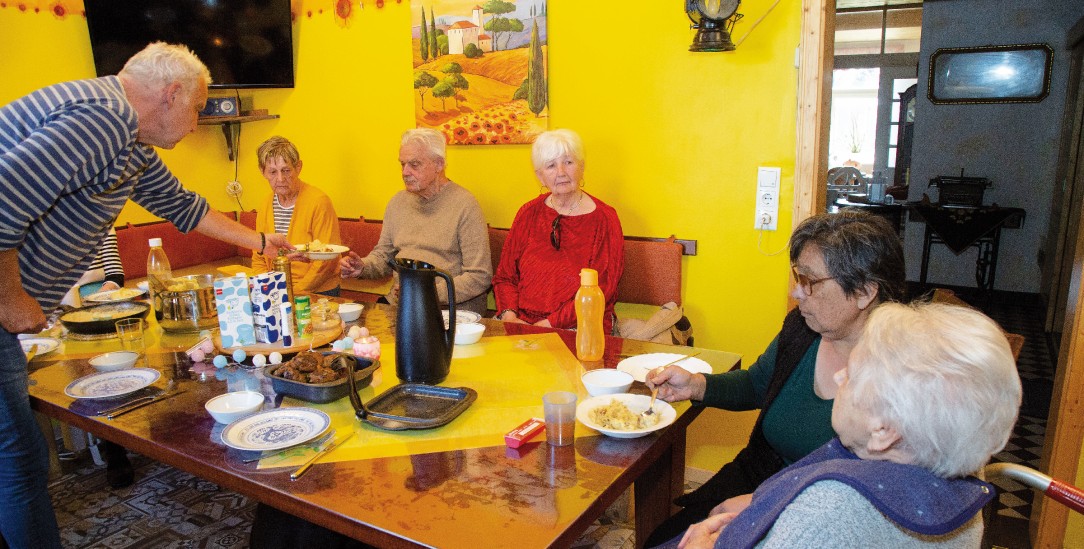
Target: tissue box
column 268, row 293
column 234, row 311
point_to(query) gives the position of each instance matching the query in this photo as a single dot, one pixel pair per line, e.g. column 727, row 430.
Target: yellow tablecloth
column 510, row 374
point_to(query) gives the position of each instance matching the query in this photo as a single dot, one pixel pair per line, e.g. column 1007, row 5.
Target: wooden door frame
column 1065, row 424
column 815, row 61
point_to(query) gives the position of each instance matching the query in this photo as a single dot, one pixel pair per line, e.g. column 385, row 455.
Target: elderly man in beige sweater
column 433, row 220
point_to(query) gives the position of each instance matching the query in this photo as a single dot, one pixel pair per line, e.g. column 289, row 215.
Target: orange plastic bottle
column 590, row 308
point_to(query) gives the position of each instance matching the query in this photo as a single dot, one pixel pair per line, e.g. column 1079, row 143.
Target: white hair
column 160, row 64
column 555, row 143
column 429, row 138
column 944, row 377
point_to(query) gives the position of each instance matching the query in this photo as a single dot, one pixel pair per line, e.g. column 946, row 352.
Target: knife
column 305, row 467
column 136, row 404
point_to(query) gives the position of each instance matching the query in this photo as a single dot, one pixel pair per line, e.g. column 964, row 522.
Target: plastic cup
column 130, row 332
column 559, row 408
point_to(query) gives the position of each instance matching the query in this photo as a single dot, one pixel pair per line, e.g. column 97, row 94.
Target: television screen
column 244, row 43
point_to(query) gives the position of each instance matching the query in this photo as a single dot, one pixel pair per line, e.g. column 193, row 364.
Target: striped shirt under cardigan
column 69, row 160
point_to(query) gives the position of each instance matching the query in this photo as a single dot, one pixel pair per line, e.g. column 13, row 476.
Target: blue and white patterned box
column 268, row 292
column 234, row 311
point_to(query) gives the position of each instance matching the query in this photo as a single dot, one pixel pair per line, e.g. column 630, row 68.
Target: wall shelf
column 231, row 127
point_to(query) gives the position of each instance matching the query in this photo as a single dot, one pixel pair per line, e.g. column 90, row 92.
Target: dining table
column 456, row 485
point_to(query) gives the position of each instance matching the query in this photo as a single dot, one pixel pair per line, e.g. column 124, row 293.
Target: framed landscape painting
column 480, row 71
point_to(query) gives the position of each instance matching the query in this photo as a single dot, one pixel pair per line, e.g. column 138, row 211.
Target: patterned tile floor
column 168, row 509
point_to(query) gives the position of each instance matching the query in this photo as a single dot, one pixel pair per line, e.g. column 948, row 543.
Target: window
column 878, row 31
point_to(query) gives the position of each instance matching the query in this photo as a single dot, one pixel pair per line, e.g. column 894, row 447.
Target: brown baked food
column 307, row 361
column 324, row 375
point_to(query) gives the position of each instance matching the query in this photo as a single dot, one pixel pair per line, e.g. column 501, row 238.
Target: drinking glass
column 130, row 332
column 559, row 408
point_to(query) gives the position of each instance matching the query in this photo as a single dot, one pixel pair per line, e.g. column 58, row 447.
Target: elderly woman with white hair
column 930, row 393
column 555, row 235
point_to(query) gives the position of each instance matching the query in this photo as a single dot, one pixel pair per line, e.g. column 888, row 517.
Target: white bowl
column 233, row 406
column 117, row 360
column 468, row 333
column 350, row 312
column 606, row 381
column 635, row 403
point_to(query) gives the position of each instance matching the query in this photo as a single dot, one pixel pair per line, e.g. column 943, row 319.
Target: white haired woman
column 930, row 393
column 554, row 236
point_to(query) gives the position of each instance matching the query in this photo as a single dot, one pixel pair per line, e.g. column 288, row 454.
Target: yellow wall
column 673, row 139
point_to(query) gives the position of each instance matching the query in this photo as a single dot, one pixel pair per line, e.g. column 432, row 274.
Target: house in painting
column 460, row 34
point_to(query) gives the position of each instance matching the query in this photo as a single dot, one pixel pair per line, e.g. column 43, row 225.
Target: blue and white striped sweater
column 69, row 160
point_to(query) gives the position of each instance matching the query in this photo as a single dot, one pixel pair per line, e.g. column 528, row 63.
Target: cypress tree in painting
column 536, row 76
column 423, row 41
column 434, row 50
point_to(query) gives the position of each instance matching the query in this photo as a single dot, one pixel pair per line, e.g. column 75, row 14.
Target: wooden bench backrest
column 652, row 273
column 183, row 250
column 360, row 235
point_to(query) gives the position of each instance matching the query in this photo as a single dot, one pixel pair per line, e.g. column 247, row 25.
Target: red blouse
column 539, row 282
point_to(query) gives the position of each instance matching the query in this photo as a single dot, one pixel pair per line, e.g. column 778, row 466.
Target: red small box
column 527, row 430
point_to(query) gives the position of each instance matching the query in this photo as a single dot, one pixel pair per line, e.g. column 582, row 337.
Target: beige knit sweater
column 447, row 231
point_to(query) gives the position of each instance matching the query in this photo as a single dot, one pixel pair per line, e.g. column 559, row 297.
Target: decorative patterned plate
column 45, row 344
column 276, row 429
column 640, row 365
column 461, row 317
column 112, row 384
column 636, row 404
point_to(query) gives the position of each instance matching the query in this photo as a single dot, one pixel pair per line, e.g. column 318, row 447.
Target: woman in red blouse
column 554, row 236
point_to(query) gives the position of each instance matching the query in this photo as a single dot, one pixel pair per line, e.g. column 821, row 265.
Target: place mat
column 510, row 374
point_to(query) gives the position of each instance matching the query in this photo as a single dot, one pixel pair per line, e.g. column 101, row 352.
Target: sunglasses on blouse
column 555, row 232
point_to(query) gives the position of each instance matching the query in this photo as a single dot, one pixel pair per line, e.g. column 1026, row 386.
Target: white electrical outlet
column 767, row 202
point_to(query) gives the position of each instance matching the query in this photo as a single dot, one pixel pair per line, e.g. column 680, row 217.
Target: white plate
column 276, row 429
column 335, row 251
column 640, row 365
column 461, row 317
column 112, row 384
column 120, row 294
column 45, row 344
column 636, row 404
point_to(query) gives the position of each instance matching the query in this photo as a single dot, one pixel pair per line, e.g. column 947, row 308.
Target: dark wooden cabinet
column 905, row 136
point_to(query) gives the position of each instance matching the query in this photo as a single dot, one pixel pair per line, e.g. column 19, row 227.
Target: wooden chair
column 942, row 295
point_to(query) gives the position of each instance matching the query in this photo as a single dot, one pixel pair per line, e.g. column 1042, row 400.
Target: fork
column 655, row 390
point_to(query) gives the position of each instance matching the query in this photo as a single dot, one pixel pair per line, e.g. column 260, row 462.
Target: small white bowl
column 468, row 333
column 350, row 312
column 117, row 360
column 606, row 381
column 231, row 407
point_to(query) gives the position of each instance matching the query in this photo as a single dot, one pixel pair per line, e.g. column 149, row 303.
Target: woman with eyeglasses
column 844, row 265
column 554, row 236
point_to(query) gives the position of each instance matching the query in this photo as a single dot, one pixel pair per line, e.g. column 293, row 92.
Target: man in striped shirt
column 71, row 155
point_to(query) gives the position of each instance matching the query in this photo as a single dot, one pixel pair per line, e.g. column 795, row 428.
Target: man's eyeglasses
column 555, row 233
column 806, row 283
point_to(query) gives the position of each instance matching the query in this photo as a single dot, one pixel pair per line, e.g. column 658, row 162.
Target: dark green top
column 797, row 422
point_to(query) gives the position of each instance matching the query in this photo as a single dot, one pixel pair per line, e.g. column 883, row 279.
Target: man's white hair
column 160, row 64
column 429, row 138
